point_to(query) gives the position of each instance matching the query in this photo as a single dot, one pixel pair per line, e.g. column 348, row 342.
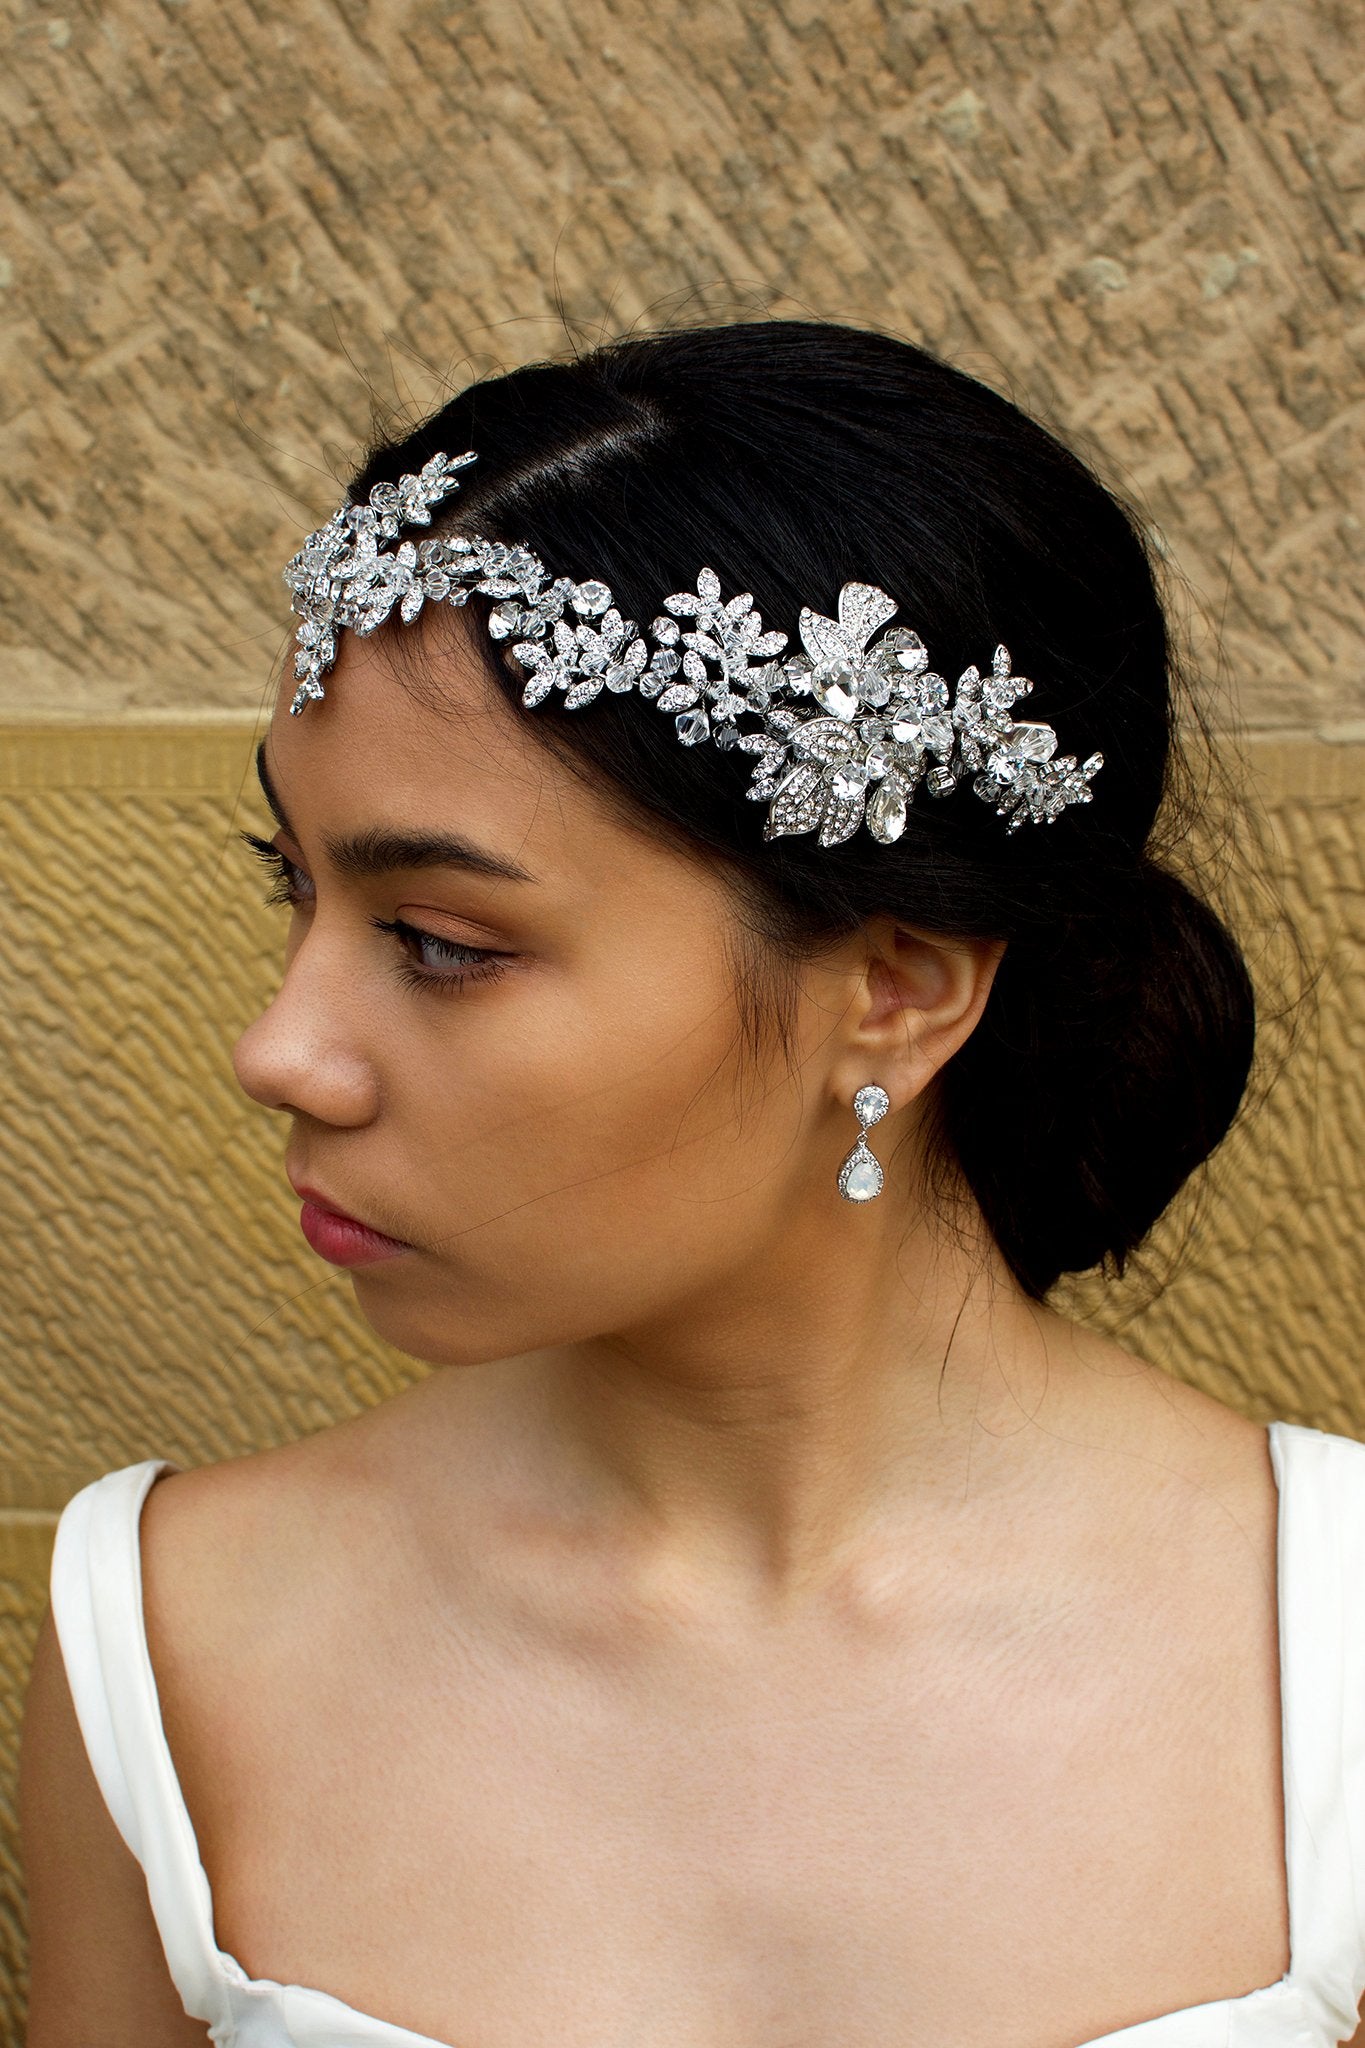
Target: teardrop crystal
column 860, row 1176
column 886, row 811
column 870, row 1104
column 834, row 687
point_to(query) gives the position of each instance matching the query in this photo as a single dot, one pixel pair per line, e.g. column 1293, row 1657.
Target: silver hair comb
column 847, row 729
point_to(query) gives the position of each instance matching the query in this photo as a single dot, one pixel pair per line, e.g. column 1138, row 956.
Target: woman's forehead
column 452, row 754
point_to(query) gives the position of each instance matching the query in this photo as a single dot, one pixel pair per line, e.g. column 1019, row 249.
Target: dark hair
column 792, row 456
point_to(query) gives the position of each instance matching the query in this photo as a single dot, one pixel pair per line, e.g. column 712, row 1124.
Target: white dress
column 97, row 1607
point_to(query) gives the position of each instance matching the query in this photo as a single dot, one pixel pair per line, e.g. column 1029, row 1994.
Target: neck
column 759, row 1437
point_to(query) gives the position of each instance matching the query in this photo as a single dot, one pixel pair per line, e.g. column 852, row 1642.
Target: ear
column 917, row 996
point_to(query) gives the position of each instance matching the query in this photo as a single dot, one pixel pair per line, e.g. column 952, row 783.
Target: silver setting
column 847, row 729
column 860, row 1177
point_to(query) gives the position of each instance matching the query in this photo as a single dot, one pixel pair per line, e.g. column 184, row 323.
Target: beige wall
column 223, row 227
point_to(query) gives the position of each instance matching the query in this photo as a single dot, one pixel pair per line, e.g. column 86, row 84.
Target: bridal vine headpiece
column 846, row 729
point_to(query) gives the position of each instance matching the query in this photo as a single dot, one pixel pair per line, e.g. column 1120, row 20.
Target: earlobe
column 922, row 996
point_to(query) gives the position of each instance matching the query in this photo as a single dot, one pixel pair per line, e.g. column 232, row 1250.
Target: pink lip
column 340, row 1238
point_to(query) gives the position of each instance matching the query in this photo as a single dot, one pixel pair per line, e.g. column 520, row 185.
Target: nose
column 302, row 1053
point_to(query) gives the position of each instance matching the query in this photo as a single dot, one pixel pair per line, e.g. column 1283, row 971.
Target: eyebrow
column 381, row 850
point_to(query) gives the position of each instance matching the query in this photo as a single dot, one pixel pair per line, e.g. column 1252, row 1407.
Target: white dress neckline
column 97, row 1606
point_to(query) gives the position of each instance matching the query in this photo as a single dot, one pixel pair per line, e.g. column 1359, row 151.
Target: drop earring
column 860, row 1176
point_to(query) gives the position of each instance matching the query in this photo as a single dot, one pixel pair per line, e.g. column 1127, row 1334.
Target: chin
column 434, row 1333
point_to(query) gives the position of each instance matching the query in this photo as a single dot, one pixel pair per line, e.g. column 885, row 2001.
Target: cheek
column 574, row 1148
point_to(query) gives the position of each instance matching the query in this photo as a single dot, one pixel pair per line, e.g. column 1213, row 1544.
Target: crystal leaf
column 708, row 586
column 862, row 608
column 827, row 740
column 582, row 692
column 799, row 801
column 825, row 640
column 759, row 743
column 678, row 697
column 843, row 816
column 539, row 685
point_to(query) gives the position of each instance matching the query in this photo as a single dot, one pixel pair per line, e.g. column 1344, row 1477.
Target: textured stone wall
column 227, row 232
column 226, row 225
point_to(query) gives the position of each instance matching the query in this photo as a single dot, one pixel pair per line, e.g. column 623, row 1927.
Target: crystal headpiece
column 841, row 734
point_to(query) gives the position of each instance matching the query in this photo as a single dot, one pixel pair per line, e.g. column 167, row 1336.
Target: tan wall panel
column 224, row 225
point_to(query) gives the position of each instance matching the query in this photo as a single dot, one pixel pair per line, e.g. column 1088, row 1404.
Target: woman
column 772, row 1624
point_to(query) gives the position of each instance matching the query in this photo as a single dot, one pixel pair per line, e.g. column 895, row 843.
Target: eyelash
column 475, row 963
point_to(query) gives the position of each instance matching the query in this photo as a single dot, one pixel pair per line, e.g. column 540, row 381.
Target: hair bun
column 1102, row 1073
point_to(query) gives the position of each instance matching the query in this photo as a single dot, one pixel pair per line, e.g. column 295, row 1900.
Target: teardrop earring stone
column 860, row 1176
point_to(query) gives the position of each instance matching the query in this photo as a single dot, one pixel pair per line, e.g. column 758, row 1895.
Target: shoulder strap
column 1322, row 1670
column 96, row 1589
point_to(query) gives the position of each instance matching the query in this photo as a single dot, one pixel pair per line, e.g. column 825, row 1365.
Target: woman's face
column 537, row 1082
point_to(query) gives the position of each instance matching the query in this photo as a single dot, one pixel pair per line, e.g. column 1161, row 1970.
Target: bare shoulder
column 238, row 1552
column 275, row 1538
column 1176, row 1442
column 1136, row 1394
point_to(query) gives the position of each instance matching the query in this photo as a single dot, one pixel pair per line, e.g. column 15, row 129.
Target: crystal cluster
column 842, row 734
